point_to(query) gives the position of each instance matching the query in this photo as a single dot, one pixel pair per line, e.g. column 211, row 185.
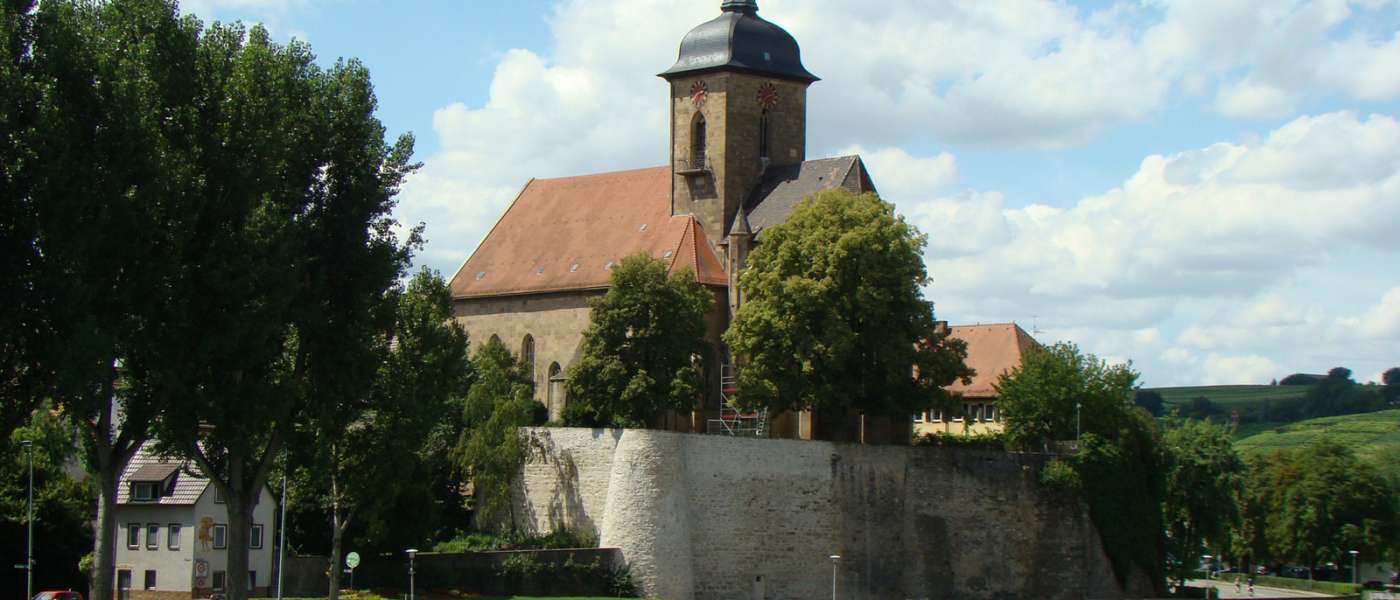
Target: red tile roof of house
column 566, row 234
column 991, row 350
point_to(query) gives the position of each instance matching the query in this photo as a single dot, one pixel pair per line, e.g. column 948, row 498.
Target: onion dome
column 739, row 39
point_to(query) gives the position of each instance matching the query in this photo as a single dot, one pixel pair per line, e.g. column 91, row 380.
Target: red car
column 58, row 595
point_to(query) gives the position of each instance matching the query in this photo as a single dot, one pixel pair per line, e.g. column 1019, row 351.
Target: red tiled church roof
column 991, row 351
column 565, row 234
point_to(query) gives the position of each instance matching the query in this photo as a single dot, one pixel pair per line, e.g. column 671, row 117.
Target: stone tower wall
column 732, row 112
column 705, row 517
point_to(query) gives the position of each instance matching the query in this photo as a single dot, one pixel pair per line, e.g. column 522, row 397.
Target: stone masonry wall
column 555, row 321
column 703, row 517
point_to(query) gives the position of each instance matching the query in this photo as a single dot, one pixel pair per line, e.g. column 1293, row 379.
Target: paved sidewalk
column 1227, row 590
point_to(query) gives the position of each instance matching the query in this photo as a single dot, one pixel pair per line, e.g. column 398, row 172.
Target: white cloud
column 1246, row 99
column 1380, row 322
column 902, row 174
column 1253, row 368
column 1200, row 247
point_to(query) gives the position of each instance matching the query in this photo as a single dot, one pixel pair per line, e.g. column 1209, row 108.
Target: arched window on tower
column 697, row 142
column 763, row 134
column 527, row 357
column 556, row 392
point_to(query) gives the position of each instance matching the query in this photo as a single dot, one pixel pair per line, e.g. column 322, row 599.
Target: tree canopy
column 1058, row 390
column 490, row 450
column 834, row 319
column 643, row 351
column 358, row 457
column 1119, row 465
column 1204, row 475
column 1314, row 504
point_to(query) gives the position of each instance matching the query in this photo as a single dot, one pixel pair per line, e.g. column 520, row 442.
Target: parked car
column 58, row 595
column 1374, row 584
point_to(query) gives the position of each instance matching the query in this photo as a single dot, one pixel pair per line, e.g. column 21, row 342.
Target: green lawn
column 1375, row 437
column 1232, row 396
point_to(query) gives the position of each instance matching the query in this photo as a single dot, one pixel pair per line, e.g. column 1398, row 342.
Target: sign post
column 352, row 560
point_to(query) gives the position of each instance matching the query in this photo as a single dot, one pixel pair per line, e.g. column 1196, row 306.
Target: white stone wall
column 701, row 517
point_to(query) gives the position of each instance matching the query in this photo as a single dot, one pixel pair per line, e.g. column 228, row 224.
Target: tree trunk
column 107, row 456
column 337, row 530
column 334, row 572
column 104, row 563
column 240, row 520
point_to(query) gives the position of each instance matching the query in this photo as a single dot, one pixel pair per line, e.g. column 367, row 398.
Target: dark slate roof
column 741, row 40
column 187, row 488
column 156, row 473
column 783, row 187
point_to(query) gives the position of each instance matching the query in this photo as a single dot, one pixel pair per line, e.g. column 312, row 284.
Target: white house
column 172, row 543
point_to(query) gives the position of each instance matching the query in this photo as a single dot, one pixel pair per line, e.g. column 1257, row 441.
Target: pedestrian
column 1251, row 585
column 1237, row 584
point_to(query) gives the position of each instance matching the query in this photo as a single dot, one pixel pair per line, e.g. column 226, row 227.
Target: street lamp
column 835, row 558
column 411, row 553
column 1354, row 578
column 28, row 445
column 1076, row 425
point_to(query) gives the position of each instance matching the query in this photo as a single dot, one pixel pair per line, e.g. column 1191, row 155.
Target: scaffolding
column 731, row 420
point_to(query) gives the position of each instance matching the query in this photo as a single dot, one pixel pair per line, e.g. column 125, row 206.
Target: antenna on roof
column 1035, row 326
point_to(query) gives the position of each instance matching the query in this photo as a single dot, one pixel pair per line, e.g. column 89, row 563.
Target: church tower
column 738, row 107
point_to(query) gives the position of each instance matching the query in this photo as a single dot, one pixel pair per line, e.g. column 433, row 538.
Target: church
column 738, row 165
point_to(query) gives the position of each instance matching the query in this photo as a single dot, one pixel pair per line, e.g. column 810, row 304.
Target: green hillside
column 1374, row 436
column 1232, row 396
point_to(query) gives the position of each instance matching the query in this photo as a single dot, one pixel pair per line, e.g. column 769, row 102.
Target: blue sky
column 1208, row 189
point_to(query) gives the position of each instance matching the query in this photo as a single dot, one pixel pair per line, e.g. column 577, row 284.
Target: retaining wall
column 700, row 517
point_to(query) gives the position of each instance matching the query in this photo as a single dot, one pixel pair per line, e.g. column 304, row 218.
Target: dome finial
column 743, row 6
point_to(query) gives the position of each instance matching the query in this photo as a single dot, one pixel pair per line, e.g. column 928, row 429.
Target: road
column 1227, row 590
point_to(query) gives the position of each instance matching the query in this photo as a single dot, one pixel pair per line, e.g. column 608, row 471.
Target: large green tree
column 21, row 327
column 1314, row 504
column 108, row 162
column 289, row 252
column 366, row 441
column 490, row 450
column 1204, row 476
column 1058, row 391
column 1119, row 465
column 643, row 351
column 834, row 319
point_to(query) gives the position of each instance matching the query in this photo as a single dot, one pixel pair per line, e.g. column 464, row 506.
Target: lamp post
column 1076, row 425
column 835, row 558
column 28, row 445
column 1354, row 578
column 282, row 535
column 411, row 553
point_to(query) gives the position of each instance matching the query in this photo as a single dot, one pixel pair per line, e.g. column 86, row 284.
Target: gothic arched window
column 763, row 134
column 527, row 356
column 697, row 141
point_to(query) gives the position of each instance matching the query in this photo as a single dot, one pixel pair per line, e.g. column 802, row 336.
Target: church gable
column 566, row 234
column 782, row 188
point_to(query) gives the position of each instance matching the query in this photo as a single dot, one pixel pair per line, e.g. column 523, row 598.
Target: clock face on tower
column 698, row 92
column 767, row 95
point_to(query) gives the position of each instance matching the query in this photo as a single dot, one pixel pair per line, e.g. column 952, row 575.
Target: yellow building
column 992, row 350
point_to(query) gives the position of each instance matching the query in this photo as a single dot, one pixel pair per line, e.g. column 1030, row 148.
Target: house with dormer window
column 173, row 543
